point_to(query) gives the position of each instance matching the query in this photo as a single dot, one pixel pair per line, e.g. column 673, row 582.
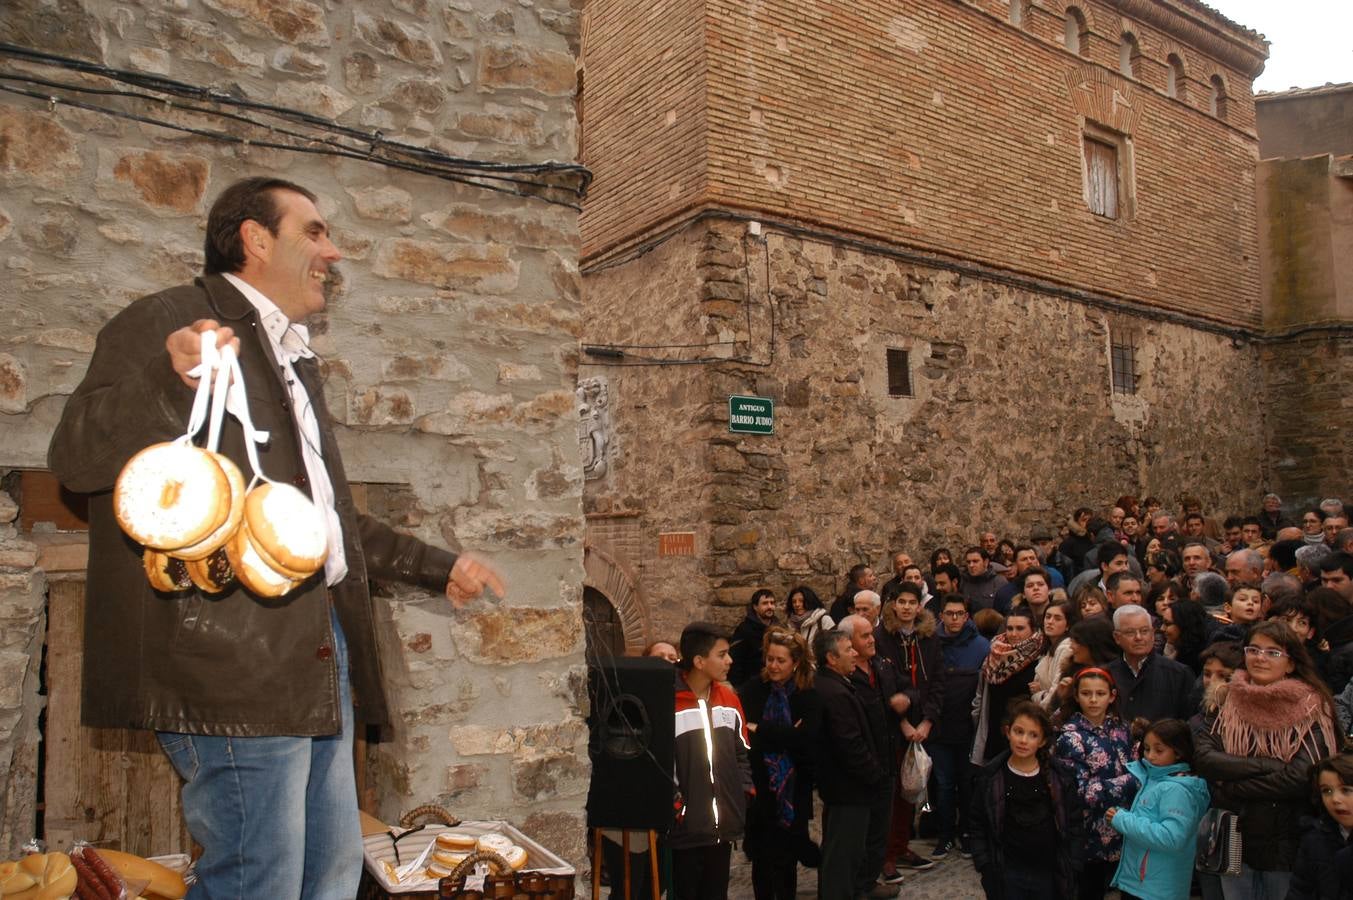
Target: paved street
column 953, row 879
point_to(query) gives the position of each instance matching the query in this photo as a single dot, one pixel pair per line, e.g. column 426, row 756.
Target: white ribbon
column 220, row 387
column 202, row 372
column 237, row 401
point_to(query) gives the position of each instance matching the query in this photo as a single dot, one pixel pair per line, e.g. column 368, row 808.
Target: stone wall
column 450, row 346
column 661, row 421
column 22, row 624
column 1309, row 419
column 1306, row 228
column 1012, row 421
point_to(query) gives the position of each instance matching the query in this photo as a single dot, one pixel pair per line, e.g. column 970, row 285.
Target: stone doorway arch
column 612, row 577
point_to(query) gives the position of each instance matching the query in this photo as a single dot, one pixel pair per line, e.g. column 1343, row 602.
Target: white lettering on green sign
column 751, row 415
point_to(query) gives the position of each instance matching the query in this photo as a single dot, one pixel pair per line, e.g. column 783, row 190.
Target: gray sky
column 1309, row 40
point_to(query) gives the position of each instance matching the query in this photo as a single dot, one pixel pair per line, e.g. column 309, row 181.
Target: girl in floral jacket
column 1093, row 749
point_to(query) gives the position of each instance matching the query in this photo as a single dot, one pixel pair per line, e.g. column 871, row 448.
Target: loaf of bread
column 38, row 876
column 161, row 883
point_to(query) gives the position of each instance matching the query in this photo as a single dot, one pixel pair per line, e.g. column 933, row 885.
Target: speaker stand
column 625, row 852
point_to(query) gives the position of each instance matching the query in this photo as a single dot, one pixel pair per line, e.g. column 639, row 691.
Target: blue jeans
column 276, row 816
column 1251, row 884
column 952, row 773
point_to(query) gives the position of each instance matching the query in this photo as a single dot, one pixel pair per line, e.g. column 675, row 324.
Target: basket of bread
column 460, row 860
column 89, row 874
column 198, row 521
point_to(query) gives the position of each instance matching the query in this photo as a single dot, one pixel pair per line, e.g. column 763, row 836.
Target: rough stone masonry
column 450, row 346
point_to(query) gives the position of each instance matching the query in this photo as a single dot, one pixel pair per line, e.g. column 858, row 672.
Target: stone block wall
column 22, row 625
column 1012, row 421
column 450, row 346
column 1306, row 228
column 1309, row 416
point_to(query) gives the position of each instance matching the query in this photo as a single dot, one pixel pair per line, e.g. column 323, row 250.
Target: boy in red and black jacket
column 713, row 778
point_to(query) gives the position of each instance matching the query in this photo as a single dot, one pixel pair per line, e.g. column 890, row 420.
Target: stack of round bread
column 188, row 508
column 183, row 504
column 454, row 847
column 281, row 540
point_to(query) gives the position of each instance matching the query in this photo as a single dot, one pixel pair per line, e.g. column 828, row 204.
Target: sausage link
column 87, row 878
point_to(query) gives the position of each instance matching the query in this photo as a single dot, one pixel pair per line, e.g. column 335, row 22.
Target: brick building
column 450, row 351
column 990, row 261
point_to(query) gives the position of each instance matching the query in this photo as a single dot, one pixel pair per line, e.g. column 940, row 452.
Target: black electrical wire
column 186, row 107
column 629, row 359
column 496, row 176
column 981, row 271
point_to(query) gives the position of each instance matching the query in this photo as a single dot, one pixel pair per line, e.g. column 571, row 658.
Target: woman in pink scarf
column 1275, row 719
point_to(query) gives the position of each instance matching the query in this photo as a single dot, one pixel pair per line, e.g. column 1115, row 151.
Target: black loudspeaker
column 632, row 735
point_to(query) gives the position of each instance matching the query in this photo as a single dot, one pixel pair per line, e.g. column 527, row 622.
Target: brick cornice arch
column 1104, row 97
column 1059, row 8
column 604, row 571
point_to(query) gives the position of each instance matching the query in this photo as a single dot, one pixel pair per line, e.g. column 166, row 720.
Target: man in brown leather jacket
column 254, row 701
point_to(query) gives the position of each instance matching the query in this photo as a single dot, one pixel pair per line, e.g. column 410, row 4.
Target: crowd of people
column 1066, row 711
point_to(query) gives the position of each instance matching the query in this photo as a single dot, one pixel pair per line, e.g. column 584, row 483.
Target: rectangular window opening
column 1123, row 361
column 1101, row 177
column 899, row 373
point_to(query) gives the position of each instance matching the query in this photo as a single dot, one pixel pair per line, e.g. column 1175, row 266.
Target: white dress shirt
column 291, row 342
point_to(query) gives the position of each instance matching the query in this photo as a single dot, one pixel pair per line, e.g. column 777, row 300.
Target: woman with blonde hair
column 783, row 714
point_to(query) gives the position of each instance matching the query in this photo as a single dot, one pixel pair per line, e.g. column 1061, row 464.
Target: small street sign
column 751, row 415
column 676, row 543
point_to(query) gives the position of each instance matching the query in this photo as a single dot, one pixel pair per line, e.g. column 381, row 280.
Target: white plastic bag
column 915, row 773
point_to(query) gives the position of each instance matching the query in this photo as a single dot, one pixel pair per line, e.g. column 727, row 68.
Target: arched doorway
column 604, row 631
column 615, row 615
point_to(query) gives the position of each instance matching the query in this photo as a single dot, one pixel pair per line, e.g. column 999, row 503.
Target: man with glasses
column 1332, row 525
column 1150, row 686
column 962, row 651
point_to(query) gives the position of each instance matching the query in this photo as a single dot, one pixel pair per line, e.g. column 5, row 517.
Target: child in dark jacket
column 713, row 777
column 1022, row 820
column 1324, row 866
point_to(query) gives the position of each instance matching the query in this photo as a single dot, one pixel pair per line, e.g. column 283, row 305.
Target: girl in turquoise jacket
column 1159, row 829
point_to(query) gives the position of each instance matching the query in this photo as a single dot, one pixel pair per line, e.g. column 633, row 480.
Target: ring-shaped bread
column 217, row 539
column 171, row 495
column 287, row 528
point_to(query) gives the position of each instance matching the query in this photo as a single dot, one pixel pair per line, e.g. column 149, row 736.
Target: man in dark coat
column 861, row 577
column 1150, row 686
column 963, row 651
column 851, row 769
column 880, row 689
column 747, row 637
column 248, row 697
column 980, row 580
column 906, row 639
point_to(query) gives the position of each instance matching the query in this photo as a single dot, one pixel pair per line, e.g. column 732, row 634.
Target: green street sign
column 751, row 415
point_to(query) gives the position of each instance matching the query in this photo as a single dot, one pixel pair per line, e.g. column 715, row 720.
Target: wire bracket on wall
column 228, row 118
